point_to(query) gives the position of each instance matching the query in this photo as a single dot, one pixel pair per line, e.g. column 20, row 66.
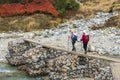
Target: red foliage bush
column 14, row 9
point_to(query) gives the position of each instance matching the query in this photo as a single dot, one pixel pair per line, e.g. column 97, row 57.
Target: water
column 8, row 72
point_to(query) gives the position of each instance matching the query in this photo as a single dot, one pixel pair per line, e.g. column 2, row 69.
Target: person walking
column 73, row 37
column 85, row 40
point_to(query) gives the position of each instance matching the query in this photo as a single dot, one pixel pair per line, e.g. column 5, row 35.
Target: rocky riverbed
column 106, row 42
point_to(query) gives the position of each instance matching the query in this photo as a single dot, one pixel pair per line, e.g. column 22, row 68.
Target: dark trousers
column 73, row 46
column 85, row 47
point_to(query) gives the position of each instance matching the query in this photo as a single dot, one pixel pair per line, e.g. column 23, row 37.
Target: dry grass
column 96, row 27
column 93, row 6
column 113, row 22
column 29, row 23
column 25, row 23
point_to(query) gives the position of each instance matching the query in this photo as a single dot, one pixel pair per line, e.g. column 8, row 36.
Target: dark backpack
column 74, row 38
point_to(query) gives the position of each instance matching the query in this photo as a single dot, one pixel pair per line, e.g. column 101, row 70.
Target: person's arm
column 82, row 38
column 70, row 36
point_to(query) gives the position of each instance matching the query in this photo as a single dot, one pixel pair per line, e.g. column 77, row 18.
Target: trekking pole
column 68, row 42
column 68, row 38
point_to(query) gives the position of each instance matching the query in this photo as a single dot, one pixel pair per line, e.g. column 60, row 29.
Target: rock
column 22, row 68
column 28, row 35
column 91, row 48
column 118, row 41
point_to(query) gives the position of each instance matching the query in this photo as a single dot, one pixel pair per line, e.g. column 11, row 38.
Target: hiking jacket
column 84, row 38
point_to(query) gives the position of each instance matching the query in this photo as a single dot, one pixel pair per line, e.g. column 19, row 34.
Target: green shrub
column 63, row 5
column 9, row 1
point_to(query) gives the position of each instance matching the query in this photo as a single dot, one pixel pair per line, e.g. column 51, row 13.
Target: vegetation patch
column 96, row 27
column 13, row 9
column 63, row 5
column 90, row 7
column 112, row 22
column 25, row 23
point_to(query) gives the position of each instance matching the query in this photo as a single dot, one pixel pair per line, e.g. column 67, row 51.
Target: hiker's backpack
column 74, row 38
column 86, row 38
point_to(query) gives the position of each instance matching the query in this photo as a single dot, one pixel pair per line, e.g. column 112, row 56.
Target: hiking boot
column 85, row 52
column 74, row 49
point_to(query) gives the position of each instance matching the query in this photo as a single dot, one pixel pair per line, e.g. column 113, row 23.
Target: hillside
column 37, row 20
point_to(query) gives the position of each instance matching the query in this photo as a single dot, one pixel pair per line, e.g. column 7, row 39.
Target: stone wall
column 38, row 60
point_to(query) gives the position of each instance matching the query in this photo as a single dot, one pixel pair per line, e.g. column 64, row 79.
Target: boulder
column 91, row 48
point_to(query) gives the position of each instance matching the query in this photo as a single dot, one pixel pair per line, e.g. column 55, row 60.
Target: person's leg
column 85, row 47
column 73, row 46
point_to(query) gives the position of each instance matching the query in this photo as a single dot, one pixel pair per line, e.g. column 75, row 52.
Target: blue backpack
column 74, row 38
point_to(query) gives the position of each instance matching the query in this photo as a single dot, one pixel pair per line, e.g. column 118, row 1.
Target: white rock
column 91, row 48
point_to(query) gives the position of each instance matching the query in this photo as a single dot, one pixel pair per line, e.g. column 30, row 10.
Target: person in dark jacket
column 85, row 40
